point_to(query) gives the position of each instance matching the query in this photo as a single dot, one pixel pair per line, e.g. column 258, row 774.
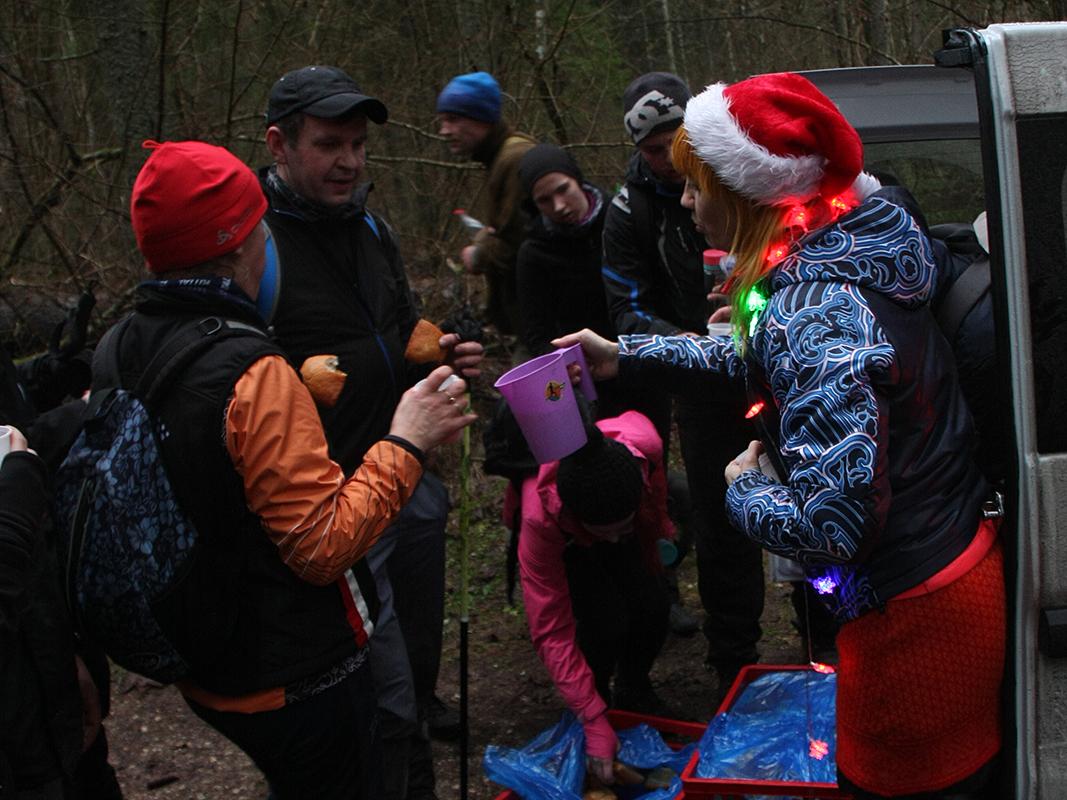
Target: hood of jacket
column 878, row 246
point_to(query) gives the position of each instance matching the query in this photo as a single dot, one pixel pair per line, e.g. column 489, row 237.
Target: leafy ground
column 161, row 750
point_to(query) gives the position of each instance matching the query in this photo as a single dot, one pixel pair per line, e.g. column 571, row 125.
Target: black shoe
column 682, row 622
column 642, row 701
column 442, row 721
column 726, row 672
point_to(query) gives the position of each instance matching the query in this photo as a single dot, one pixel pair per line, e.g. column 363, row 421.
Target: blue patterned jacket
column 881, row 490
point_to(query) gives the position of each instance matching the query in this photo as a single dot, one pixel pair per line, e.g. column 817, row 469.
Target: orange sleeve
column 320, row 523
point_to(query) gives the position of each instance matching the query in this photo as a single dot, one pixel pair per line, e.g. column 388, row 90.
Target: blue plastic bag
column 767, row 734
column 552, row 765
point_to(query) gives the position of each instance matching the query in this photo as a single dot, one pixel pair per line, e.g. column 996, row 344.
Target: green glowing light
column 756, row 301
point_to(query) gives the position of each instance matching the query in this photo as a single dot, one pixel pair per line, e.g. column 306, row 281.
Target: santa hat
column 774, row 139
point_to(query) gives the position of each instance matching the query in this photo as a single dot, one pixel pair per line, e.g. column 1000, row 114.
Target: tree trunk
column 877, row 31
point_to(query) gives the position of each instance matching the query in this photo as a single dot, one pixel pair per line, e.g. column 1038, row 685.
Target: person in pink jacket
column 595, row 599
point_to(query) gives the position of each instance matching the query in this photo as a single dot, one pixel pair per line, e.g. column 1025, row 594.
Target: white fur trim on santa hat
column 745, row 166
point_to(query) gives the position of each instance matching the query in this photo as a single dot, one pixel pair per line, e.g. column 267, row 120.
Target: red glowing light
column 839, row 204
column 818, row 749
column 824, row 669
column 754, row 409
column 777, row 252
column 798, row 217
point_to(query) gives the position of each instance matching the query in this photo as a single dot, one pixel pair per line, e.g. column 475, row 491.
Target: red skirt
column 918, row 692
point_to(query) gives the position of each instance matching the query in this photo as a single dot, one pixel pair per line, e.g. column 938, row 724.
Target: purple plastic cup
column 541, row 397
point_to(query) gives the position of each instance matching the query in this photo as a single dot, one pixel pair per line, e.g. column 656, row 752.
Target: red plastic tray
column 731, row 788
column 620, row 720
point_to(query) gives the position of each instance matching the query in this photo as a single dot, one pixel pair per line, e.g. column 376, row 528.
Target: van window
column 945, row 175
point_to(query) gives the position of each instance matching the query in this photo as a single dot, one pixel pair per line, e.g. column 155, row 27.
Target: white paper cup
column 720, row 328
column 5, row 441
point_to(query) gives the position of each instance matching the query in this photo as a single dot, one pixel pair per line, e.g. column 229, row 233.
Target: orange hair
column 762, row 234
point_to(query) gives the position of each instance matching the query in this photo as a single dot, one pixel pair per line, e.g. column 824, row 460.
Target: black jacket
column 558, row 274
column 344, row 293
column 242, row 619
column 40, row 707
column 878, row 488
column 653, row 266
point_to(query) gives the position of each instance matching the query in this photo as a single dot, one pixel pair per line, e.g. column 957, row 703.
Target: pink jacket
column 544, row 578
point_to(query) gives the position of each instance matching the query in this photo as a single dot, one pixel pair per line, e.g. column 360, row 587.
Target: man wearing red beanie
column 274, row 620
column 342, row 291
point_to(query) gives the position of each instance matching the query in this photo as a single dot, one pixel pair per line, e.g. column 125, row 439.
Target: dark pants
column 729, row 565
column 94, row 777
column 621, row 611
column 408, row 563
column 417, row 574
column 324, row 746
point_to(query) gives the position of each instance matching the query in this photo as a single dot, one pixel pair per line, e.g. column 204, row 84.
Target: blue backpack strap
column 270, row 284
column 373, row 225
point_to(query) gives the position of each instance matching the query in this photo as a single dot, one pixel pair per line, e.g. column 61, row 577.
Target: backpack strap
column 372, row 225
column 962, row 296
column 176, row 354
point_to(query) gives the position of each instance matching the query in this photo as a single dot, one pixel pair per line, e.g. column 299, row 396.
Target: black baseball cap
column 321, row 91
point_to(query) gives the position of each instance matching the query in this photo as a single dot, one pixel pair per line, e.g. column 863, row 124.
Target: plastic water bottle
column 713, row 272
column 467, row 220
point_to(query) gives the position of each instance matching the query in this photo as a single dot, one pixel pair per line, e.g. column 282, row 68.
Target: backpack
column 128, row 541
column 963, row 308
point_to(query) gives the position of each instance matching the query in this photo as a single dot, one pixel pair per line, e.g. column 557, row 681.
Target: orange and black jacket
column 271, row 600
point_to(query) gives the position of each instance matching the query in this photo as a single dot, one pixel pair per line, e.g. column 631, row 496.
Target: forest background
column 84, row 82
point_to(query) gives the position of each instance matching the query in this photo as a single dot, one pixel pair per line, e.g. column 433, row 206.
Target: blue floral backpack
column 127, row 538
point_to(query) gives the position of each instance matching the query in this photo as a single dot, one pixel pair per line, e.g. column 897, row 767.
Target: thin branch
column 576, row 145
column 416, row 129
column 464, row 166
column 956, row 12
column 778, row 21
column 72, row 57
column 267, row 52
column 51, row 198
column 162, row 88
column 233, row 70
column 72, row 152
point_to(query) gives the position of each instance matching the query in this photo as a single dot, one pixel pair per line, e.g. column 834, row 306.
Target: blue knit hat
column 475, row 95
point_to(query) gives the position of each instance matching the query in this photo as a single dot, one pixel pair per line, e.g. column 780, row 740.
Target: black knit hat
column 601, row 483
column 654, row 102
column 542, row 159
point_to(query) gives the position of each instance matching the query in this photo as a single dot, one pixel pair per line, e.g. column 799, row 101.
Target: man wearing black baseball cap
column 341, row 291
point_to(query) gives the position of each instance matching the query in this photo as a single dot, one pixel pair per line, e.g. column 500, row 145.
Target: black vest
column 344, row 293
column 241, row 617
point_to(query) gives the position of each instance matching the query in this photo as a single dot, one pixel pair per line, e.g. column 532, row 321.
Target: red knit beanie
column 774, row 139
column 192, row 202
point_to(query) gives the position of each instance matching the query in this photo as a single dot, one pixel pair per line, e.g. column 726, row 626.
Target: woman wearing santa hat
column 868, row 479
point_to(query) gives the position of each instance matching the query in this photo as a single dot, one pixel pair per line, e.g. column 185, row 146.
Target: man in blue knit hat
column 468, row 111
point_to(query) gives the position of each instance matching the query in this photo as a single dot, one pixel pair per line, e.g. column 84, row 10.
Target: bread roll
column 422, row 346
column 324, row 379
